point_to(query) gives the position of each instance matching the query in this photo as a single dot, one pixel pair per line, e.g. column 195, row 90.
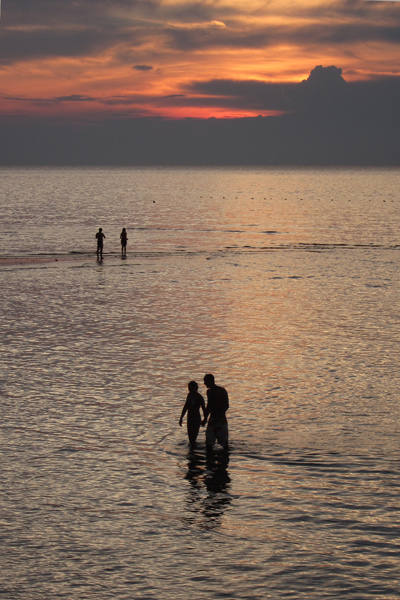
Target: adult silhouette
column 124, row 239
column 217, row 405
column 100, row 237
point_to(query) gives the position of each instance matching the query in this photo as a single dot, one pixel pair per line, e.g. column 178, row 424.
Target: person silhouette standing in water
column 124, row 240
column 194, row 401
column 100, row 237
column 217, row 405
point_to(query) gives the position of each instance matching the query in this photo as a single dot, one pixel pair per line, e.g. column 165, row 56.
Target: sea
column 283, row 283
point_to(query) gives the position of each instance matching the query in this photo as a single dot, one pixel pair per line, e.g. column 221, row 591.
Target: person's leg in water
column 222, row 435
column 193, row 428
column 217, row 431
column 210, row 436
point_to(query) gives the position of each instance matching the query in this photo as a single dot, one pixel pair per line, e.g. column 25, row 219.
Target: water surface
column 284, row 284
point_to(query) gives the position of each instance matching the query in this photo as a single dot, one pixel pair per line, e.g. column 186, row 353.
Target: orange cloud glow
column 96, row 60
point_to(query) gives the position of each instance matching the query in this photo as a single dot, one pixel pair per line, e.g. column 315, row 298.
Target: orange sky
column 96, row 58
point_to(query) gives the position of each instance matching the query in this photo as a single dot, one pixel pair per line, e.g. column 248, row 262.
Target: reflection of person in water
column 124, row 239
column 194, row 401
column 208, row 471
column 217, row 483
column 100, row 237
column 217, row 405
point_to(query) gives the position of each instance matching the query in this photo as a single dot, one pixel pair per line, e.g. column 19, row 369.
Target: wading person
column 194, row 401
column 124, row 239
column 100, row 237
column 217, row 405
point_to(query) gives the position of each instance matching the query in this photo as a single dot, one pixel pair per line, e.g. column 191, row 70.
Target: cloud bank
column 323, row 121
column 253, row 82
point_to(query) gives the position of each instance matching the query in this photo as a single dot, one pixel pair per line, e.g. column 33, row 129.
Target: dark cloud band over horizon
column 94, row 62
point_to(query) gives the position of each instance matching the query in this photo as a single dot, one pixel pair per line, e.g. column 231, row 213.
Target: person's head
column 123, row 231
column 100, row 229
column 193, row 386
column 209, row 380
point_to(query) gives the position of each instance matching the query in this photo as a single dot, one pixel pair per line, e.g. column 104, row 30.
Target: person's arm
column 203, row 408
column 184, row 409
column 206, row 412
column 226, row 401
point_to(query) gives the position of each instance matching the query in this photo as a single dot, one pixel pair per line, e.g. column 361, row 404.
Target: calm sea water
column 285, row 284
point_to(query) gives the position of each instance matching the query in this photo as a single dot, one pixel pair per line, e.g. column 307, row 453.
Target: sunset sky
column 92, row 60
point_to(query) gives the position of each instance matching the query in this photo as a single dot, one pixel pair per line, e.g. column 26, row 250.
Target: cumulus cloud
column 324, row 92
column 240, row 56
column 324, row 89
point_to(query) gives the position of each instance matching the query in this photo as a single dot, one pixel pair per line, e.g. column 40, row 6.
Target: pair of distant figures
column 100, row 237
column 214, row 413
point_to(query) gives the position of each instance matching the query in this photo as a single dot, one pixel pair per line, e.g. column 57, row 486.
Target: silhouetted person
column 100, row 237
column 194, row 401
column 217, row 405
column 124, row 239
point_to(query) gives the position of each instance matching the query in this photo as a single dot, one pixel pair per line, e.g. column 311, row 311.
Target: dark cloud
column 243, row 94
column 58, row 28
column 74, row 98
column 113, row 13
column 53, row 28
column 142, row 67
column 317, row 34
column 85, row 13
column 332, row 123
column 56, row 100
column 287, row 140
column 324, row 92
column 128, row 100
column 31, row 44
